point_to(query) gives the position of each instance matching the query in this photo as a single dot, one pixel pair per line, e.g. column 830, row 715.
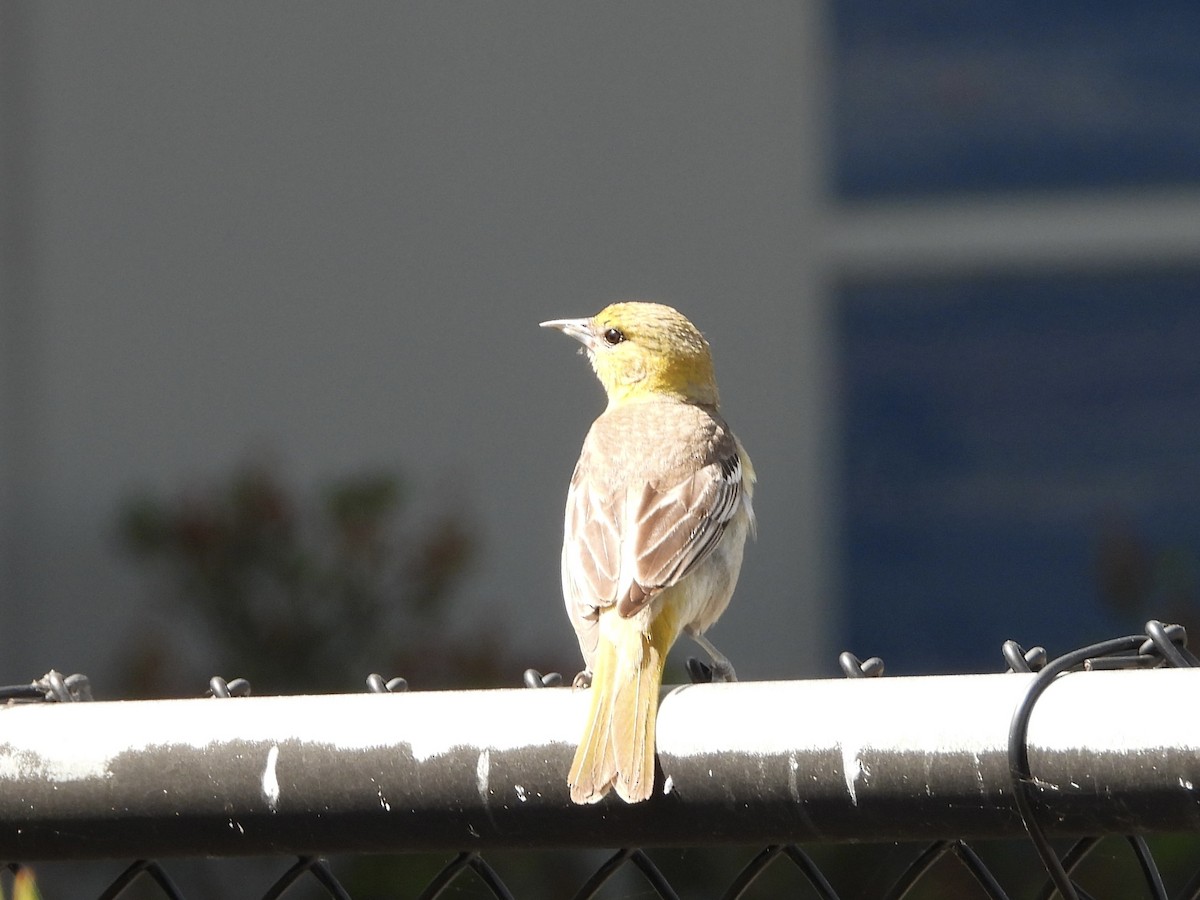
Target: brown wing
column 591, row 554
column 675, row 527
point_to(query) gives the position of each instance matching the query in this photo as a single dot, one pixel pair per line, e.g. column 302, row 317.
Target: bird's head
column 643, row 350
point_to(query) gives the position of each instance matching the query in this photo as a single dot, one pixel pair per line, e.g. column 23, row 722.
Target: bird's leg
column 583, row 679
column 722, row 668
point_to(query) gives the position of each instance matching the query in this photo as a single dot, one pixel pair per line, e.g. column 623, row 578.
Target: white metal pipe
column 776, row 762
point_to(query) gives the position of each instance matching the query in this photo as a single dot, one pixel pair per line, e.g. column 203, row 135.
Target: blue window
column 933, row 96
column 1021, row 460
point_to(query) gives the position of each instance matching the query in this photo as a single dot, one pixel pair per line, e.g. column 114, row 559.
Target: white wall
column 329, row 232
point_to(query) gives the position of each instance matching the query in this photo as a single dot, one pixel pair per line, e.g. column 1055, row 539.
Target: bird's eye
column 614, row 336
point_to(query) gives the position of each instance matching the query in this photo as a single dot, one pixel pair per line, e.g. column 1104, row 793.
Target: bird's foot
column 699, row 671
column 721, row 669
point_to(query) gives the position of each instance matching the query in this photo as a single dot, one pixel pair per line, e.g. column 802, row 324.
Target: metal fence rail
column 1034, row 753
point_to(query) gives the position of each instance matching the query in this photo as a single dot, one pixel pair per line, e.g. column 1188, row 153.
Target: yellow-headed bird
column 657, row 514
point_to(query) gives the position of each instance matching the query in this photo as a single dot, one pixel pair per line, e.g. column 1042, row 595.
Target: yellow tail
column 617, row 748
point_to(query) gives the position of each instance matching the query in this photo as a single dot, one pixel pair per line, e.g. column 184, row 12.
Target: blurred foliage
column 303, row 596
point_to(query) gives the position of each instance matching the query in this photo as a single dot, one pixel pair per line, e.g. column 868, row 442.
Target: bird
column 657, row 515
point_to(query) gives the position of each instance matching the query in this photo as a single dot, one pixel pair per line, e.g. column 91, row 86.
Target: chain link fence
column 1073, row 776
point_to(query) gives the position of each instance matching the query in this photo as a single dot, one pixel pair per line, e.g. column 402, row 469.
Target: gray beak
column 580, row 329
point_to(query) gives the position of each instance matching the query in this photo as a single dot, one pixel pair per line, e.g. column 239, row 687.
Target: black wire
column 1018, row 750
